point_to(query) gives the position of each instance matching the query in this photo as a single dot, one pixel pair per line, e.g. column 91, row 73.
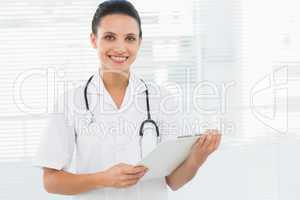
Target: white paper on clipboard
column 167, row 156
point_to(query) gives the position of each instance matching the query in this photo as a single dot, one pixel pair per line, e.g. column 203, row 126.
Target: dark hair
column 109, row 7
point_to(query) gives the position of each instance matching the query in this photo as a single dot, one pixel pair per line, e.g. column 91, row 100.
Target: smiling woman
column 117, row 41
column 106, row 161
column 116, row 34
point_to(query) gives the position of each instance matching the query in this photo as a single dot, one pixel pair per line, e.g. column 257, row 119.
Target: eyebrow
column 128, row 34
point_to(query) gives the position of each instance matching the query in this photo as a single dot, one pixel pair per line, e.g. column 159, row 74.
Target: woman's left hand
column 203, row 147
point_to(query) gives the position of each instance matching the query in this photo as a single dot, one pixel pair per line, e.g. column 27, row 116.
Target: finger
column 218, row 141
column 201, row 140
column 141, row 166
column 207, row 142
column 134, row 170
column 211, row 146
column 124, row 166
column 129, row 177
column 131, row 169
column 137, row 175
column 132, row 179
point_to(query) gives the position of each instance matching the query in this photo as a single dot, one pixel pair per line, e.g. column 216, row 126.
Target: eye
column 109, row 37
column 131, row 38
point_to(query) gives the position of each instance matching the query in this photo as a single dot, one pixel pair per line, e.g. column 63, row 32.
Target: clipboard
column 167, row 156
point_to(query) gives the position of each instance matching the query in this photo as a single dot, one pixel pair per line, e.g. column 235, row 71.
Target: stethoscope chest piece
column 89, row 118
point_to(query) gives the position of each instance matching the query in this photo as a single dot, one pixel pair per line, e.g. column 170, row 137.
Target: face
column 117, row 42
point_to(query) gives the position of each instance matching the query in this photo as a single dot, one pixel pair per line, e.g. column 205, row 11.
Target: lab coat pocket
column 92, row 144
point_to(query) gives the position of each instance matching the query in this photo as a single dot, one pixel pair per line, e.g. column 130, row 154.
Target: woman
column 106, row 155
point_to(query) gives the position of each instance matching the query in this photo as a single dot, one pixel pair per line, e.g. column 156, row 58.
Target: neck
column 114, row 80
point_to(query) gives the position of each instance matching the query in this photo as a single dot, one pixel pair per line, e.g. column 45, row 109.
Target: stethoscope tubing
column 148, row 120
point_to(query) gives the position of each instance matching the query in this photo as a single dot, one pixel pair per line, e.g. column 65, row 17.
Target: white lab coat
column 112, row 139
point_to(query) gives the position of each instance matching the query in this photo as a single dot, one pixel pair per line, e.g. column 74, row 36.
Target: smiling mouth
column 118, row 59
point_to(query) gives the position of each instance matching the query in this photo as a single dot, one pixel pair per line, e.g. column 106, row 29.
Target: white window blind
column 270, row 69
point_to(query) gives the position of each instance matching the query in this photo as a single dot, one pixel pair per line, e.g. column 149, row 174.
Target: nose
column 120, row 47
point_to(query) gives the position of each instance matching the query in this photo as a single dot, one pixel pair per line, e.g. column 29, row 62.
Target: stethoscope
column 141, row 130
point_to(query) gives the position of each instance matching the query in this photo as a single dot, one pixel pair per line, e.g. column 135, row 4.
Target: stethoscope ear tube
column 85, row 94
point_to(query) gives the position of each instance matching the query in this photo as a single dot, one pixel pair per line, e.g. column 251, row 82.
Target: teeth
column 118, row 58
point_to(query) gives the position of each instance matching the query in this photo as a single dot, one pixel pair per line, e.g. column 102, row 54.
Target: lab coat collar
column 96, row 86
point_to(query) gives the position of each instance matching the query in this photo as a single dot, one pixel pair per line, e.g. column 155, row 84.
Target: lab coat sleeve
column 58, row 140
column 171, row 120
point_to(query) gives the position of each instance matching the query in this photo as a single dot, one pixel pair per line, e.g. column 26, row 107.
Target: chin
column 117, row 68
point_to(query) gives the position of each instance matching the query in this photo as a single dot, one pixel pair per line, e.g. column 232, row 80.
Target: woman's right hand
column 123, row 175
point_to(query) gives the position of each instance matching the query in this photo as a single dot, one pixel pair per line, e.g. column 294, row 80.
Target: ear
column 93, row 40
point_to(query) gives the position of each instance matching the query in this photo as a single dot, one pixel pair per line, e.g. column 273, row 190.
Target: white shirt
column 112, row 139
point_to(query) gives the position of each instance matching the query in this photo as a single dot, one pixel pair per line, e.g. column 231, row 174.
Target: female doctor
column 105, row 155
